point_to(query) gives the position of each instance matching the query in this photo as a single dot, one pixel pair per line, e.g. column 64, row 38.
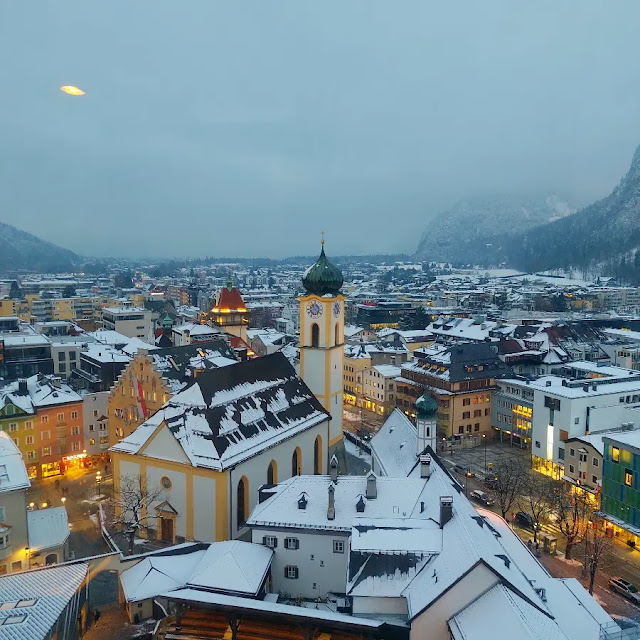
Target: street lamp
column 63, row 500
column 98, row 481
column 45, row 505
column 484, row 439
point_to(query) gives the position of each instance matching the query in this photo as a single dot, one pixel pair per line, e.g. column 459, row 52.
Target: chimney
column 333, row 468
column 425, row 466
column 360, row 505
column 446, row 510
column 22, row 387
column 331, row 510
column 372, row 489
column 585, row 388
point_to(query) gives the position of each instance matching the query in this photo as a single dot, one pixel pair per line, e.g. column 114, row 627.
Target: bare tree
column 537, row 499
column 131, row 502
column 598, row 543
column 508, row 481
column 572, row 511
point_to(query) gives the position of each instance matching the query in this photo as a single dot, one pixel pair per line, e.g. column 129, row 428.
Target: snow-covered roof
column 105, row 353
column 399, row 497
column 469, row 539
column 230, row 414
column 387, row 370
column 394, row 446
column 34, row 600
column 233, row 567
column 13, row 473
column 195, row 329
column 48, row 528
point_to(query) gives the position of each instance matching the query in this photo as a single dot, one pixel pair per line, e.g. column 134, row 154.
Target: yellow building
column 153, row 377
column 322, row 338
column 356, row 359
column 207, row 452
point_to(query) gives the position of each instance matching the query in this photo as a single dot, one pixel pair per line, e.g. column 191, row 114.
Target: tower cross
column 322, row 241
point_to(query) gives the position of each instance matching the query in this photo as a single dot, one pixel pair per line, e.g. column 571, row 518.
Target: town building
column 582, row 399
column 134, row 322
column 231, row 431
column 379, row 389
column 474, row 329
column 151, row 378
column 512, row 412
column 14, row 483
column 462, row 378
column 383, row 314
column 43, row 416
column 28, row 538
column 230, row 312
column 620, row 501
column 322, row 338
column 23, row 352
column 193, row 333
column 45, row 603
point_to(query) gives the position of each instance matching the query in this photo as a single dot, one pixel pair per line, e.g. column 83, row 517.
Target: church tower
column 322, row 338
column 426, row 422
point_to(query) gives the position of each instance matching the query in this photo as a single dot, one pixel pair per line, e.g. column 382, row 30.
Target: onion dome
column 322, row 277
column 426, row 406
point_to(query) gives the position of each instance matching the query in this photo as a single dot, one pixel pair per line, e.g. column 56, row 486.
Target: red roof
column 238, row 343
column 231, row 299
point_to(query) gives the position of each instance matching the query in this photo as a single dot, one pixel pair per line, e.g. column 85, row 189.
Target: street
column 84, row 539
column 621, row 560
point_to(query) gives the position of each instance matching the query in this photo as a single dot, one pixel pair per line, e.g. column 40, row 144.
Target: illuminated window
column 628, row 477
column 615, row 454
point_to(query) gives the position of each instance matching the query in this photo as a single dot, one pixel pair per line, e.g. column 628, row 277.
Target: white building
column 95, row 421
column 130, row 321
column 191, row 333
column 587, row 398
column 307, row 521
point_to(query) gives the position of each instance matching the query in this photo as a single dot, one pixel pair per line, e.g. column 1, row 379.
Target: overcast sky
column 246, row 128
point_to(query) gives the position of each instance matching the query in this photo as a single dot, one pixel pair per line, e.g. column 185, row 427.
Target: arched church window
column 241, row 501
column 272, row 473
column 296, row 462
column 315, row 335
column 337, row 332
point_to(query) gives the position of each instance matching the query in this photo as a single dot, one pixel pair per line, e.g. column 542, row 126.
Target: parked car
column 625, row 589
column 459, row 469
column 524, row 520
column 482, row 497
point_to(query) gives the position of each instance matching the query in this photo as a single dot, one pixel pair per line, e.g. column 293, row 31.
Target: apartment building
column 43, row 417
column 462, row 379
column 134, row 322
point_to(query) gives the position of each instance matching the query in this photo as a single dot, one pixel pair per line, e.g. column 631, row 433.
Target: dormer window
column 302, row 502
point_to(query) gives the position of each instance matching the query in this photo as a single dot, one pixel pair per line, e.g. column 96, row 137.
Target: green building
column 620, row 502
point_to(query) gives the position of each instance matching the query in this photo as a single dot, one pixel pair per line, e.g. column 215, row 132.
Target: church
column 211, row 447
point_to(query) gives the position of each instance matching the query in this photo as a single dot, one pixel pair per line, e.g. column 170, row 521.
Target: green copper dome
column 322, row 277
column 426, row 406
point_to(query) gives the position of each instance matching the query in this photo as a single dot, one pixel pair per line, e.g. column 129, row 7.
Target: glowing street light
column 71, row 90
column 63, row 500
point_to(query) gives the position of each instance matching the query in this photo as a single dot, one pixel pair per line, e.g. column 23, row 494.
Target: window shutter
column 275, row 542
column 295, row 572
column 286, row 573
column 264, row 540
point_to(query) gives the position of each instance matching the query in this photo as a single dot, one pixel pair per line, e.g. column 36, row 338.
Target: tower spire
column 322, row 241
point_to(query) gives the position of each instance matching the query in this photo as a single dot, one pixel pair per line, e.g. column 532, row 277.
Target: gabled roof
column 13, row 473
column 230, row 414
column 41, row 596
column 232, row 567
column 178, row 364
column 394, row 446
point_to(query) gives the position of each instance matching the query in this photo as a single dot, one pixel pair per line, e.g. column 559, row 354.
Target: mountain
column 604, row 235
column 473, row 231
column 22, row 251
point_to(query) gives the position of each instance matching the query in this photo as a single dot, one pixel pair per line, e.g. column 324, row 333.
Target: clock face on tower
column 336, row 308
column 314, row 309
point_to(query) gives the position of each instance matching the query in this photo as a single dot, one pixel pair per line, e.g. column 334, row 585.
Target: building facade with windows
column 462, row 379
column 212, row 446
column 134, row 322
column 620, row 503
column 512, row 412
column 44, row 419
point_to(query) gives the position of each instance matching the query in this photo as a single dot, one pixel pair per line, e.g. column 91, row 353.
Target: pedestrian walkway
column 114, row 625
